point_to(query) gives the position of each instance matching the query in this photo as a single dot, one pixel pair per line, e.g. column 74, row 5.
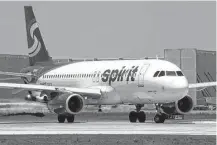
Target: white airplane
column 68, row 88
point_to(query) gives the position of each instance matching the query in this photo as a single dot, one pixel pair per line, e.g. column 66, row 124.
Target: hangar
column 197, row 65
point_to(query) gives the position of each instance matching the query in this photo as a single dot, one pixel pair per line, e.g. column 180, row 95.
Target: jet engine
column 182, row 106
column 74, row 104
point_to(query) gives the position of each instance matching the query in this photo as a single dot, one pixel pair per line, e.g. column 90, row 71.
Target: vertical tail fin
column 36, row 49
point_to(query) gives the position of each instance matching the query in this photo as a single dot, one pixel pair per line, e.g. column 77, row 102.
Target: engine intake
column 182, row 106
column 74, row 104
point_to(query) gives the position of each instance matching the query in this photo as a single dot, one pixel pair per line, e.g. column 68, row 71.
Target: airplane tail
column 36, row 48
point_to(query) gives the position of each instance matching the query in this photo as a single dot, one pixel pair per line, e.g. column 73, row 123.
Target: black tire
column 71, row 118
column 133, row 116
column 159, row 118
column 61, row 118
column 141, row 116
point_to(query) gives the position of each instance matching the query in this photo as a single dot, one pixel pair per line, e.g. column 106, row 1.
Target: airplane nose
column 180, row 84
column 177, row 85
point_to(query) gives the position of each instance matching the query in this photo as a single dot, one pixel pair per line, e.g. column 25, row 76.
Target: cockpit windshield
column 179, row 73
column 170, row 73
column 167, row 73
column 162, row 73
column 156, row 73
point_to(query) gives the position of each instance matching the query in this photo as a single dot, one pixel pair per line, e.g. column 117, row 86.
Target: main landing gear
column 140, row 115
column 100, row 109
column 61, row 118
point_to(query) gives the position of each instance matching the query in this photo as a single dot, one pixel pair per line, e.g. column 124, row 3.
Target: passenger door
column 141, row 75
column 96, row 76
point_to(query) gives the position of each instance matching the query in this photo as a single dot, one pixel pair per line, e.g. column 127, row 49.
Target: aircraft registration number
column 176, row 117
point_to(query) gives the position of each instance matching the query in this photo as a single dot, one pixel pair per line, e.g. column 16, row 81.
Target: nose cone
column 180, row 83
column 176, row 88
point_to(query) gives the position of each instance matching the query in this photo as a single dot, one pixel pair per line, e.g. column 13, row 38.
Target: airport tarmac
column 32, row 125
column 104, row 129
column 188, row 128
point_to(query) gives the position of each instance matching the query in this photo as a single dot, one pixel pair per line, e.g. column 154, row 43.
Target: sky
column 110, row 29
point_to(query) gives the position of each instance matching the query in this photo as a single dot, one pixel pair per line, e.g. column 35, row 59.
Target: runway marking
column 204, row 122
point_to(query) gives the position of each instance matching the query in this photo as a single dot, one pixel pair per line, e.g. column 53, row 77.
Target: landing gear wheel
column 61, row 118
column 141, row 116
column 70, row 119
column 159, row 118
column 133, row 116
column 100, row 109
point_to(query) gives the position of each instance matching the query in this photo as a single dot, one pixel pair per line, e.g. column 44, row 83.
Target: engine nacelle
column 74, row 104
column 182, row 106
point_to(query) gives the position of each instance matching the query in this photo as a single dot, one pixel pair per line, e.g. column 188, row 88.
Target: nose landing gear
column 140, row 115
column 159, row 117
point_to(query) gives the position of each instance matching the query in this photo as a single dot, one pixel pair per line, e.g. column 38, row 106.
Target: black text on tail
column 36, row 48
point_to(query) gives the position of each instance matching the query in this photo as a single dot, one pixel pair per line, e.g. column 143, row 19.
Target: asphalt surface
column 118, row 127
column 107, row 129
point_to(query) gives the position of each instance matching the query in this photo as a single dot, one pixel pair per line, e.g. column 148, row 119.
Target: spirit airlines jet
column 67, row 88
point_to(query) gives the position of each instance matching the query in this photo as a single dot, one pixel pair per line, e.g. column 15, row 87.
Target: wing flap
column 84, row 91
column 200, row 85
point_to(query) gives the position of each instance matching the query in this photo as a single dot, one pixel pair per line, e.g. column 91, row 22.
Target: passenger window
column 162, row 73
column 170, row 73
column 156, row 73
column 179, row 73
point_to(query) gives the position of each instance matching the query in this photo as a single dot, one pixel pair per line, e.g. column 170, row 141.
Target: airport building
column 197, row 65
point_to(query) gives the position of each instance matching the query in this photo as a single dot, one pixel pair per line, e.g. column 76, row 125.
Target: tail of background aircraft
column 36, row 47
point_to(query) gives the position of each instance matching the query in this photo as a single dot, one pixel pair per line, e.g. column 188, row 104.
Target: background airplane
column 67, row 88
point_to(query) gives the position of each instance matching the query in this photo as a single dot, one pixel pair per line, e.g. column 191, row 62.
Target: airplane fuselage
column 121, row 81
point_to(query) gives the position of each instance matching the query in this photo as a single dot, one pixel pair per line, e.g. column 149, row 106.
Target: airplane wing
column 16, row 74
column 7, row 79
column 93, row 92
column 200, row 85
